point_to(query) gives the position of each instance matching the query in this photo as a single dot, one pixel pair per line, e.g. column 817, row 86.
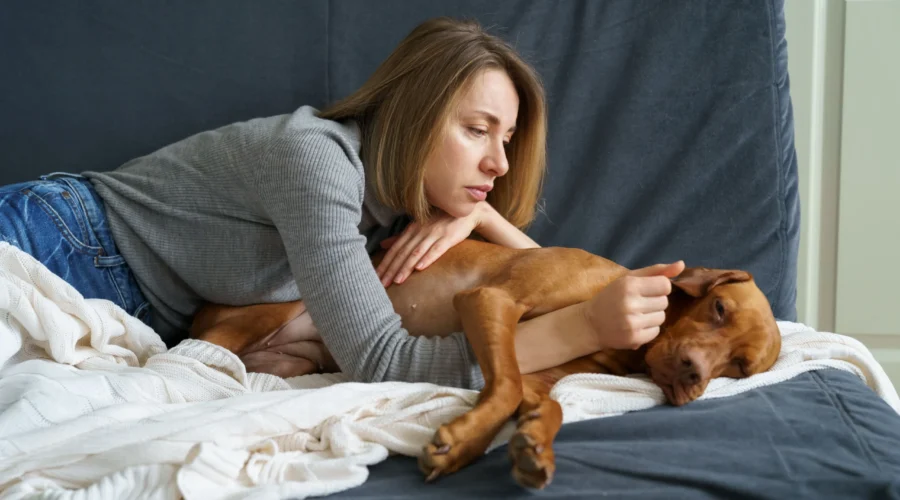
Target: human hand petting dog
column 628, row 312
column 293, row 350
column 421, row 244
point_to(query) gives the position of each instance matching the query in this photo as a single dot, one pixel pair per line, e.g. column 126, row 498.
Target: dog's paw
column 446, row 454
column 533, row 461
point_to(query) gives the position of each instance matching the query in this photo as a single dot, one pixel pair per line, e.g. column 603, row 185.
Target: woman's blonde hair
column 403, row 107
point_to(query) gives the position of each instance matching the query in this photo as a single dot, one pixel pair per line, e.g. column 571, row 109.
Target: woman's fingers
column 409, row 250
column 419, row 246
column 280, row 364
column 654, row 286
column 455, row 234
column 396, row 248
column 437, row 249
column 646, row 335
column 651, row 304
column 418, row 252
column 650, row 320
column 387, row 242
column 667, row 270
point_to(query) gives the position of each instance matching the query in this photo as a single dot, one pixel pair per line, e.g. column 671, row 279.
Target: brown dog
column 718, row 323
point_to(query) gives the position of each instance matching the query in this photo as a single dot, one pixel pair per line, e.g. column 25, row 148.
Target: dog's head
column 718, row 324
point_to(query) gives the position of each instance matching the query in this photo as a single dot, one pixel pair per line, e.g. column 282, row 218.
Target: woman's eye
column 478, row 132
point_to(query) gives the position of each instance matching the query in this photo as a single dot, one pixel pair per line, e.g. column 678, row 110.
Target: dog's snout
column 692, row 367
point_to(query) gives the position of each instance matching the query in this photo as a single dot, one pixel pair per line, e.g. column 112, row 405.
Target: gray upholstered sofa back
column 671, row 133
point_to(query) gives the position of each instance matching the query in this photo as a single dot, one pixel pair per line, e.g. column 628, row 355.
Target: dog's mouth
column 680, row 393
column 683, row 378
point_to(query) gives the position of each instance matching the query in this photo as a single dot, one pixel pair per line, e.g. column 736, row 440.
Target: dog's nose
column 692, row 367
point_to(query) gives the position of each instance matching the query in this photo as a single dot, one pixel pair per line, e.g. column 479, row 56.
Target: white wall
column 815, row 64
column 868, row 268
column 844, row 62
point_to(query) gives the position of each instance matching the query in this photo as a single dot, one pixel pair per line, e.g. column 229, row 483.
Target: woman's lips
column 477, row 193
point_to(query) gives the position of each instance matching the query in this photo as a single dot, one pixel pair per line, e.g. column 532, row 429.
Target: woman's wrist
column 483, row 216
column 496, row 229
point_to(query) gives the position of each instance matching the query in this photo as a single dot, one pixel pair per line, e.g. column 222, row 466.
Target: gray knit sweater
column 273, row 209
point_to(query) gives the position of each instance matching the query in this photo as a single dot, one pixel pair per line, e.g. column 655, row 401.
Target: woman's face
column 462, row 168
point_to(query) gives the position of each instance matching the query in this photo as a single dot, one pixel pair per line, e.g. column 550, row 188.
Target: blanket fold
column 93, row 405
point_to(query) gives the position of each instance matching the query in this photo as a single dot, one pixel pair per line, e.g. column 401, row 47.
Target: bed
column 671, row 137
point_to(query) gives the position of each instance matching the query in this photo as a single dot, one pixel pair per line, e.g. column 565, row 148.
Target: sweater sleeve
column 312, row 190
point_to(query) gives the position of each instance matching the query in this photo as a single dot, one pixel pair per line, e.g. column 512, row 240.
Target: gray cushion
column 761, row 444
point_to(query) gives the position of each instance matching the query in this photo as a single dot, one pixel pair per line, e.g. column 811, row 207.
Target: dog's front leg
column 531, row 447
column 489, row 316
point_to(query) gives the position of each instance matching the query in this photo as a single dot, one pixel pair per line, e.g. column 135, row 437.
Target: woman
column 449, row 131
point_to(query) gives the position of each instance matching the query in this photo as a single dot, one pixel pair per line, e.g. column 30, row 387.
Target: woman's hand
column 295, row 349
column 421, row 244
column 628, row 312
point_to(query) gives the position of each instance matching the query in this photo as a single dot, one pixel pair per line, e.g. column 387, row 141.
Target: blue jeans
column 60, row 220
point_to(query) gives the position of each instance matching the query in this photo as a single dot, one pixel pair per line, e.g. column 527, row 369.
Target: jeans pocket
column 64, row 209
column 81, row 250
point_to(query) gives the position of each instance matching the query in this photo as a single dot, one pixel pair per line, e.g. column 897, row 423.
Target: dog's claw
column 533, row 414
column 522, row 441
column 434, row 474
column 532, row 468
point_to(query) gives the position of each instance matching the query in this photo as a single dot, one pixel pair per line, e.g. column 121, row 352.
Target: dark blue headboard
column 671, row 134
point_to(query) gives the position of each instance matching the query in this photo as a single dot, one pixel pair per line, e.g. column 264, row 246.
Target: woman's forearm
column 554, row 338
column 496, row 229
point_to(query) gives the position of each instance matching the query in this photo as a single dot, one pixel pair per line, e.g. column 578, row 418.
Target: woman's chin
column 458, row 210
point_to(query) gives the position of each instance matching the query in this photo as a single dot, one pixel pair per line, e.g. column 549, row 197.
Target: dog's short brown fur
column 718, row 323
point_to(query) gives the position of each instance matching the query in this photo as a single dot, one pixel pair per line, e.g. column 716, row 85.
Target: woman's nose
column 495, row 162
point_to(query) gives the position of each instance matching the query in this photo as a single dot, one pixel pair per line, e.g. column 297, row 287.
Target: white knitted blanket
column 92, row 405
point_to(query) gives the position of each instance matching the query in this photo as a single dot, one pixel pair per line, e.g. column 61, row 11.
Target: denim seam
column 846, row 417
column 79, row 245
column 89, row 230
column 54, row 180
column 112, row 277
column 72, row 200
column 103, row 259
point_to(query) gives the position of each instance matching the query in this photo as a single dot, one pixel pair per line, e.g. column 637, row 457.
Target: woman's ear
column 698, row 281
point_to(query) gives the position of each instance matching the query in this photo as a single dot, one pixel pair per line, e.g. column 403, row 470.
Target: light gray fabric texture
column 271, row 210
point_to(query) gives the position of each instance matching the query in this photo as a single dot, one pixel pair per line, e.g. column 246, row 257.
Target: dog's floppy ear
column 698, row 281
